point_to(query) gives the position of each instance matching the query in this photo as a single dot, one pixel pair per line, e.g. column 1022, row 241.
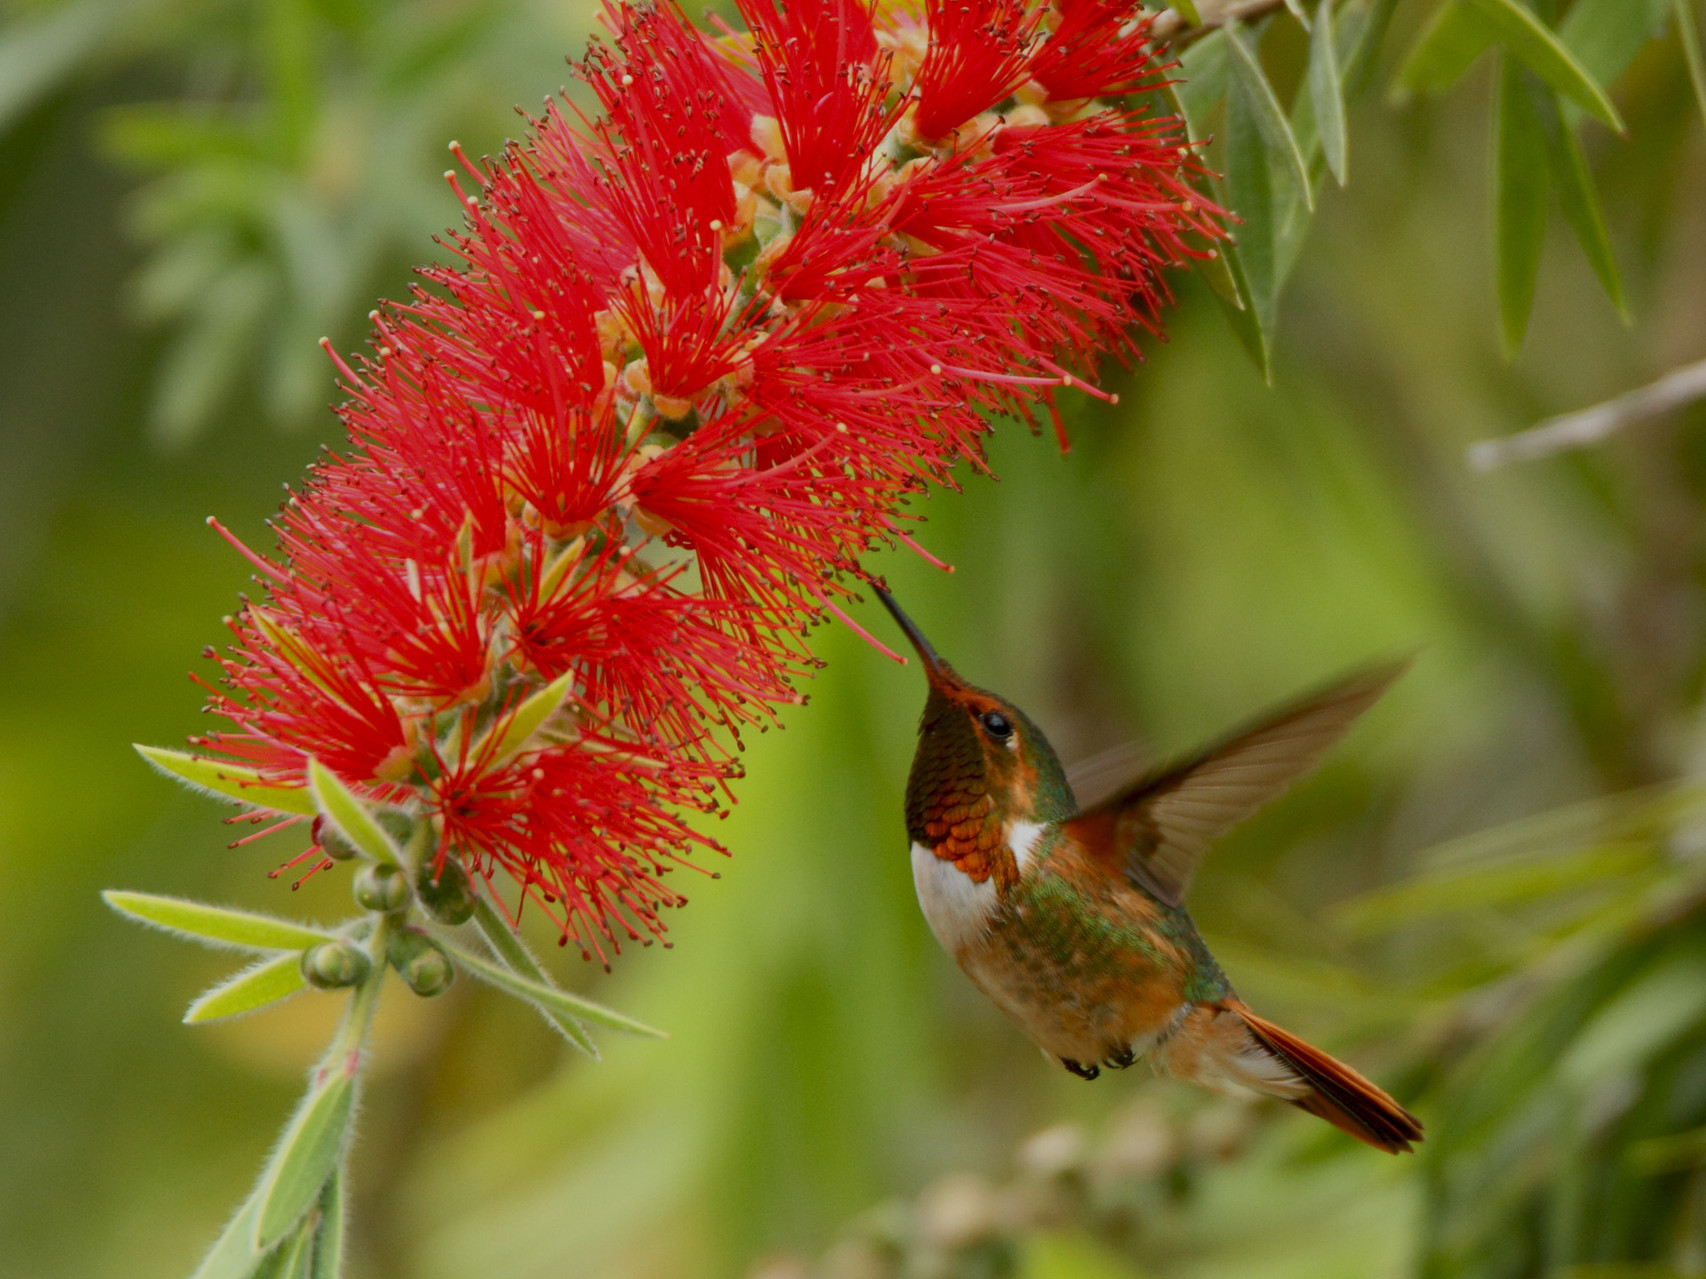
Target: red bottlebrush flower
column 1098, row 48
column 821, row 66
column 977, row 53
column 696, row 354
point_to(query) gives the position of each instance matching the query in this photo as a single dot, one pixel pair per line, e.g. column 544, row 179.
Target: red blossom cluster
column 698, row 349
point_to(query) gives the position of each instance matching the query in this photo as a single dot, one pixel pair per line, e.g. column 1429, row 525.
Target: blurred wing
column 1162, row 826
column 1104, row 775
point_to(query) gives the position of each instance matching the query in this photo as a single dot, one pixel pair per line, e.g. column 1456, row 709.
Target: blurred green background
column 1491, row 898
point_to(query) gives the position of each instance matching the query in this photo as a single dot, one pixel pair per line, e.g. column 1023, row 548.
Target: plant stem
column 1674, row 390
column 1172, row 28
column 346, row 1045
column 502, row 939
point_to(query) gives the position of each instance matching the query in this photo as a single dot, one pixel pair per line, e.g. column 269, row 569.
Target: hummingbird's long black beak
column 934, row 666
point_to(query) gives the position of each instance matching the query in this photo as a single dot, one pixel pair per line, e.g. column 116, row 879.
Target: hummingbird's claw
column 1120, row 1060
column 1080, row 1069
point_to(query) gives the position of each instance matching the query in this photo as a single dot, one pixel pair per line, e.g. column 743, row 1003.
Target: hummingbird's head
column 981, row 766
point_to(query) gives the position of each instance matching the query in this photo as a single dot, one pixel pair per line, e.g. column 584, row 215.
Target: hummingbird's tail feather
column 1337, row 1093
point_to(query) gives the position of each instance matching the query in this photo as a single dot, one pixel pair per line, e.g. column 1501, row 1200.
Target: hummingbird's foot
column 1080, row 1069
column 1120, row 1060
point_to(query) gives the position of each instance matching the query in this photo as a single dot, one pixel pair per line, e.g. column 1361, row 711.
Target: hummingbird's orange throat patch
column 965, row 829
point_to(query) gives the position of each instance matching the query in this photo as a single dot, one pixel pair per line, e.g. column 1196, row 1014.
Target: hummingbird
column 1073, row 921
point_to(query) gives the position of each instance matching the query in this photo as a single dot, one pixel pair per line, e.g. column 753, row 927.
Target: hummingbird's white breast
column 957, row 907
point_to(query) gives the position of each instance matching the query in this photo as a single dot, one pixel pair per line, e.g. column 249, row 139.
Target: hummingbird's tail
column 1336, row 1093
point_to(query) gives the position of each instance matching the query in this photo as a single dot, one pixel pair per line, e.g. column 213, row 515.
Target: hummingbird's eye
column 996, row 725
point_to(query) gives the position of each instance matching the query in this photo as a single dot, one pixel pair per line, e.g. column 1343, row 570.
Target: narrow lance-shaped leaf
column 216, row 924
column 329, row 1239
column 215, row 777
column 254, row 987
column 548, row 997
column 347, row 811
column 1576, row 194
column 1448, row 46
column 1250, row 191
column 1265, row 110
column 1188, row 11
column 1204, row 72
column 509, row 948
column 528, row 718
column 1605, row 35
column 1524, row 35
column 1327, row 93
column 234, row 1255
column 1242, row 319
column 1689, row 34
column 1213, row 268
column 1519, row 162
column 307, row 1154
column 1366, row 32
column 295, row 1256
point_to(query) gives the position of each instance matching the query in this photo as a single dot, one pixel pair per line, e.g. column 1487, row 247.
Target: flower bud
column 446, row 892
column 400, row 826
column 420, row 962
column 382, row 887
column 331, row 841
column 335, row 964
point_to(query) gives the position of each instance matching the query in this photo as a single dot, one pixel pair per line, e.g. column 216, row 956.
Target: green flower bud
column 447, row 894
column 397, row 824
column 381, row 887
column 331, row 841
column 335, row 964
column 420, row 962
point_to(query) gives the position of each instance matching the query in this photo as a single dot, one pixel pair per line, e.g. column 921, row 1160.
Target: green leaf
column 1644, row 1020
column 547, row 997
column 1265, row 110
column 509, row 948
column 256, row 986
column 329, row 1238
column 1689, row 34
column 1241, row 317
column 234, row 1255
column 1188, row 11
column 37, row 54
column 529, row 717
column 1605, row 35
column 1524, row 35
column 233, row 781
column 1249, row 188
column 1205, row 74
column 306, row 1157
column 346, row 810
column 296, row 1254
column 1448, row 46
column 1576, row 194
column 1497, row 883
column 1519, row 151
column 1327, row 93
column 1367, row 34
column 217, row 924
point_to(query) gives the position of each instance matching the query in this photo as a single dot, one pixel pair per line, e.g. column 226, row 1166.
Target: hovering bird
column 1074, row 922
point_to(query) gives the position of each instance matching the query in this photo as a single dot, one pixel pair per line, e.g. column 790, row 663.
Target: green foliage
column 555, row 1004
column 262, row 983
column 1571, row 66
column 216, row 777
column 292, row 174
column 343, row 809
column 216, row 924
